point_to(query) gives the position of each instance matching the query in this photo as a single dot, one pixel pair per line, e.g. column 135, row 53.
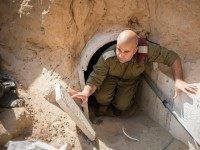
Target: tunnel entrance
column 95, row 58
column 92, row 103
column 134, row 125
column 93, row 49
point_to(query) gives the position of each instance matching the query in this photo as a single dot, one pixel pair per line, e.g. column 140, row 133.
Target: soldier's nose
column 120, row 56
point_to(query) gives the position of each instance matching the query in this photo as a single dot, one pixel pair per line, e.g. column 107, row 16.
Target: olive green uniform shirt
column 128, row 73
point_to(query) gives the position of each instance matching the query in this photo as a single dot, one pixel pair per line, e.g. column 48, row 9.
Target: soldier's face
column 125, row 51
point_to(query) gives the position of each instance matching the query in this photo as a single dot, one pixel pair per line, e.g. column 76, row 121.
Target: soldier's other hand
column 181, row 85
column 71, row 91
column 82, row 96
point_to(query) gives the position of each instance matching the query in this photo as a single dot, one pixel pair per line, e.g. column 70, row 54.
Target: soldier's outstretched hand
column 71, row 91
column 183, row 86
column 77, row 95
column 82, row 96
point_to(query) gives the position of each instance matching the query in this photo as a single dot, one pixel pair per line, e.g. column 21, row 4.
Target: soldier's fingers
column 77, row 96
column 185, row 91
column 190, row 90
column 176, row 92
column 71, row 93
column 74, row 96
column 195, row 88
column 69, row 88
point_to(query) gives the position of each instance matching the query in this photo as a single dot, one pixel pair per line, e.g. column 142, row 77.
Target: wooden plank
column 73, row 110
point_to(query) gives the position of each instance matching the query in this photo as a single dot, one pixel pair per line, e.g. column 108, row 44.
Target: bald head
column 126, row 45
column 127, row 37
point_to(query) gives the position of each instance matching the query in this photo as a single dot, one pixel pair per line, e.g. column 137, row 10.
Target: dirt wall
column 41, row 41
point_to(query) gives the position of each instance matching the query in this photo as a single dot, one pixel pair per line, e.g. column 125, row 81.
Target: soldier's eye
column 119, row 49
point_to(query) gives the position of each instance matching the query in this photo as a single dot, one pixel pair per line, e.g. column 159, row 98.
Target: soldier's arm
column 177, row 69
column 95, row 79
column 89, row 89
column 180, row 84
column 160, row 54
column 99, row 73
column 157, row 53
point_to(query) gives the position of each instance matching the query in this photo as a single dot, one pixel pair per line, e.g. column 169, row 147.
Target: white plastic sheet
column 33, row 145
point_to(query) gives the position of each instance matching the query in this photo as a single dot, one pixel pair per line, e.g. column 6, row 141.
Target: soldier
column 115, row 77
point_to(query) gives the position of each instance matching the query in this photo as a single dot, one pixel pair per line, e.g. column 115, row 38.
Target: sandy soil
column 54, row 126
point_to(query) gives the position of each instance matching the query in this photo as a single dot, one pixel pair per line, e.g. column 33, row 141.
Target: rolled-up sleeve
column 157, row 53
column 99, row 73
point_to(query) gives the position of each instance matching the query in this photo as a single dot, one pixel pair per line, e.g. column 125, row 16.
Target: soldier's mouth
column 121, row 60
